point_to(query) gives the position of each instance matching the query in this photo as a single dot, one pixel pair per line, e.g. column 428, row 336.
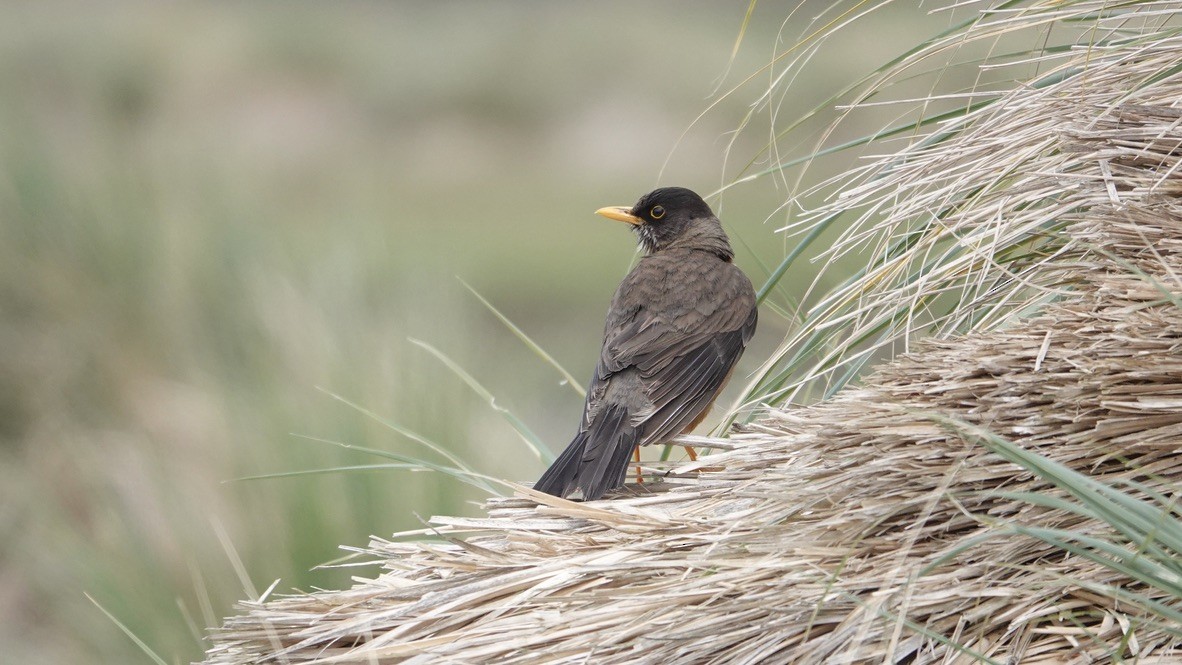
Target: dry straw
column 904, row 520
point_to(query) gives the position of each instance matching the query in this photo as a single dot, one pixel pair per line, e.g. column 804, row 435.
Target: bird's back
column 677, row 325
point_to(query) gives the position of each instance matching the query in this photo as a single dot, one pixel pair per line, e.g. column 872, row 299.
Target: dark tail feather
column 559, row 479
column 596, row 460
column 610, row 443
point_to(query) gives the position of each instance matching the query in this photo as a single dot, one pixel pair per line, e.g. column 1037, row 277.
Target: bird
column 676, row 327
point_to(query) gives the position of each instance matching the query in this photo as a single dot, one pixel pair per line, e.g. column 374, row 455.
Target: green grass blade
column 1133, row 517
column 567, row 378
column 1064, row 541
column 469, row 477
column 811, row 237
column 1146, row 541
column 1173, row 617
column 127, row 631
column 413, row 436
column 535, row 444
column 326, row 470
column 459, row 474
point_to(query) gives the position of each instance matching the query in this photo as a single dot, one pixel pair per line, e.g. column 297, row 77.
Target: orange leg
column 639, row 473
column 692, row 455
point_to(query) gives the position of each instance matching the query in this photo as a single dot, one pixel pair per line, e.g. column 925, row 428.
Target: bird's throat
column 647, row 238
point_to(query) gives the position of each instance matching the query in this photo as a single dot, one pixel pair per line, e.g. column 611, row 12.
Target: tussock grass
column 960, row 224
column 1003, row 490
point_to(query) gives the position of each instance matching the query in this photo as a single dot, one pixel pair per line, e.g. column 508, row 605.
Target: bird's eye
column 657, row 212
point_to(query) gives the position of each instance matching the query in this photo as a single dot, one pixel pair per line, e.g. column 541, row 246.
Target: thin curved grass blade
column 531, row 440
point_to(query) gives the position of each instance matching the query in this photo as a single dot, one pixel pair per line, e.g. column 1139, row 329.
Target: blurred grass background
column 208, row 210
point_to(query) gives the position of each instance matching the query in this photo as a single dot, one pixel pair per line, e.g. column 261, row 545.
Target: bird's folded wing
column 683, row 371
column 690, row 384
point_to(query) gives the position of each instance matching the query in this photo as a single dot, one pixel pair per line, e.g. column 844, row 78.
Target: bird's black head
column 669, row 204
column 666, row 215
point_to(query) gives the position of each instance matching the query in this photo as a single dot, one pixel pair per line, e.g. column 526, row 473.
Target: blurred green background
column 208, row 210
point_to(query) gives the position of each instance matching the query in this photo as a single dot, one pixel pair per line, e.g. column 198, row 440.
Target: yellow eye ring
column 657, row 212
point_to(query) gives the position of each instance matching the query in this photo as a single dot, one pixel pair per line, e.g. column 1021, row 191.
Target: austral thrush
column 677, row 325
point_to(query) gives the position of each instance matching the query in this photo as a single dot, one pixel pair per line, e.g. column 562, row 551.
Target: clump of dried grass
column 891, row 522
column 961, row 223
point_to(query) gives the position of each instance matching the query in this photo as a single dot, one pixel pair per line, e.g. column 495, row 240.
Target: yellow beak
column 620, row 214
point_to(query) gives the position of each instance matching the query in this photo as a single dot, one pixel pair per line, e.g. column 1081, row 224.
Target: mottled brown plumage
column 676, row 327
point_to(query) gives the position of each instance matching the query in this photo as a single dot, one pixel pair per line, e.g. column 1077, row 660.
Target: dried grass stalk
column 860, row 529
